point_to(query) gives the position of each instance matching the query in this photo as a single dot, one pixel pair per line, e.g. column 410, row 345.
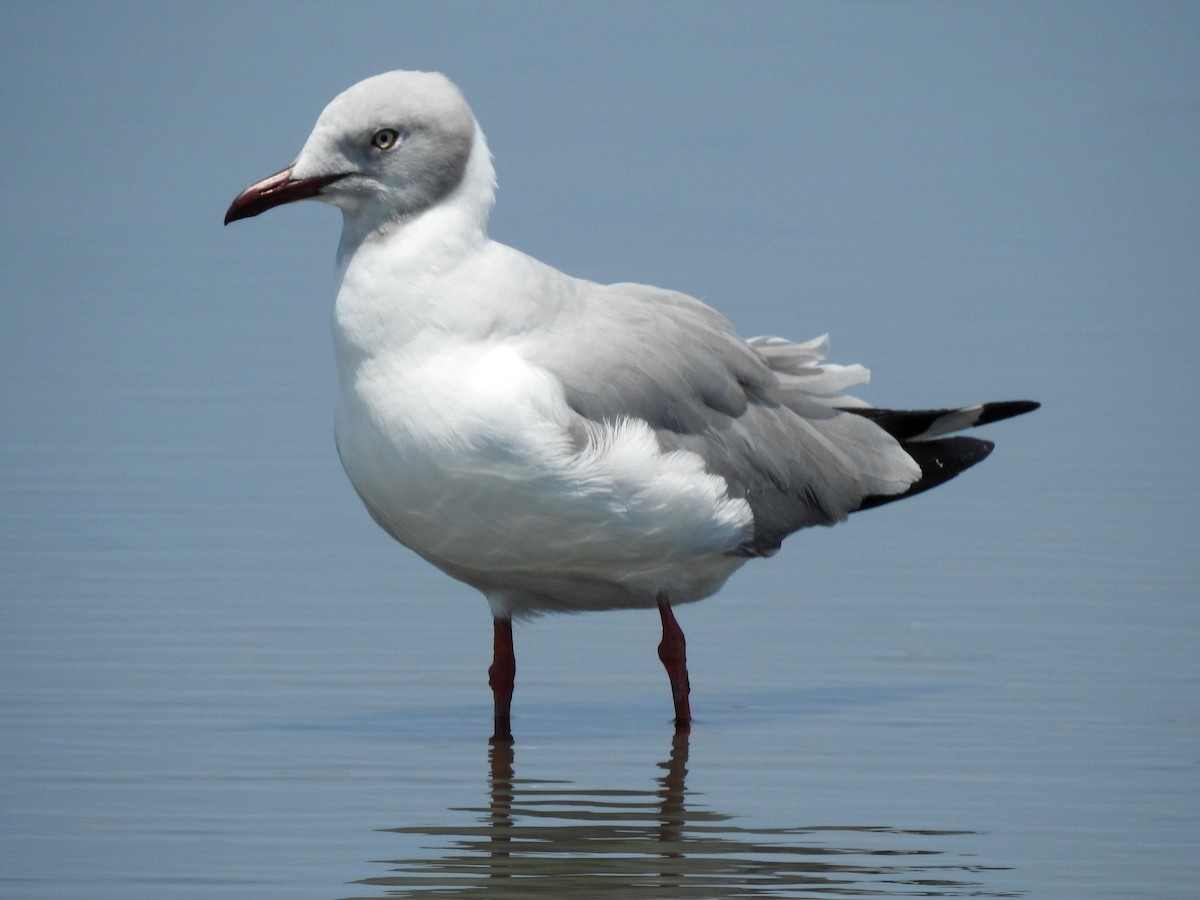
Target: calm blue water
column 219, row 679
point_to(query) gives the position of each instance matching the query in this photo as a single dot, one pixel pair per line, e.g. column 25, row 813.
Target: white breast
column 465, row 455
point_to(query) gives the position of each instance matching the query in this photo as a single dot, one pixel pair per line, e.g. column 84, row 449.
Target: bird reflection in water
column 538, row 838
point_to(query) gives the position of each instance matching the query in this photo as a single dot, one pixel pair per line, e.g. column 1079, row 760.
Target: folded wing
column 766, row 415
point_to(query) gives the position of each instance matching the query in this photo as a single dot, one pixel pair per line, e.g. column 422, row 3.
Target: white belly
column 467, row 458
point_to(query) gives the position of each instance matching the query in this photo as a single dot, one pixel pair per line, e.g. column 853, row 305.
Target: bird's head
column 388, row 148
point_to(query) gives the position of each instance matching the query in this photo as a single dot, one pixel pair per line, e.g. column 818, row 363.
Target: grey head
column 386, row 149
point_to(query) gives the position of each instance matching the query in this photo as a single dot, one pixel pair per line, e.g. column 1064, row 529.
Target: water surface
column 219, row 679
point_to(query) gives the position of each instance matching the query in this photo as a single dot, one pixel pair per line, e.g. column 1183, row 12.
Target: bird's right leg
column 501, row 674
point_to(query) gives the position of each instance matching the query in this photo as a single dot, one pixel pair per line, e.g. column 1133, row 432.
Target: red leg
column 500, row 676
column 673, row 653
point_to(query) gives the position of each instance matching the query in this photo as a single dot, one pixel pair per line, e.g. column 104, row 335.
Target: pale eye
column 385, row 138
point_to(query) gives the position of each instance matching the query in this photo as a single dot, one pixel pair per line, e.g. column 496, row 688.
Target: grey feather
column 633, row 351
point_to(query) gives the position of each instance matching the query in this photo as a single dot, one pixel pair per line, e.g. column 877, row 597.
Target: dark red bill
column 275, row 190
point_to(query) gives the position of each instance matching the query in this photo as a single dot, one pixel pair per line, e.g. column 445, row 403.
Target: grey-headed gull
column 558, row 444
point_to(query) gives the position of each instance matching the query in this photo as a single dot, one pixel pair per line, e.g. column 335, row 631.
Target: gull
column 558, row 444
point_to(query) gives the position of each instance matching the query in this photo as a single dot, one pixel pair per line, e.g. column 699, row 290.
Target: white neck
column 461, row 215
column 393, row 274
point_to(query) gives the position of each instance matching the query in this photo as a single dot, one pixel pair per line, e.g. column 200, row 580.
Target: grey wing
column 764, row 415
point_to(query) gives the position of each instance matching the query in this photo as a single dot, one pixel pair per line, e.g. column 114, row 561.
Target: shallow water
column 244, row 724
column 219, row 679
column 538, row 837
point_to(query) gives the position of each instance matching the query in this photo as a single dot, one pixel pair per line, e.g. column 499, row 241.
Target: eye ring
column 385, row 139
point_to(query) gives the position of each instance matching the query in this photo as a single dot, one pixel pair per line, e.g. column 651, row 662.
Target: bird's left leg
column 673, row 653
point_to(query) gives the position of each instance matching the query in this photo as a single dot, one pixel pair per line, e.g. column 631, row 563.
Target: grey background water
column 220, row 680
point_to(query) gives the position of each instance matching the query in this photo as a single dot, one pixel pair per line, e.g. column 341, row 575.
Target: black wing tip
column 940, row 460
column 943, row 458
column 923, row 424
column 1005, row 409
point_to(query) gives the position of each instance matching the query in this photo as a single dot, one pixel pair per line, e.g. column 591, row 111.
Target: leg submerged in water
column 501, row 675
column 673, row 653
